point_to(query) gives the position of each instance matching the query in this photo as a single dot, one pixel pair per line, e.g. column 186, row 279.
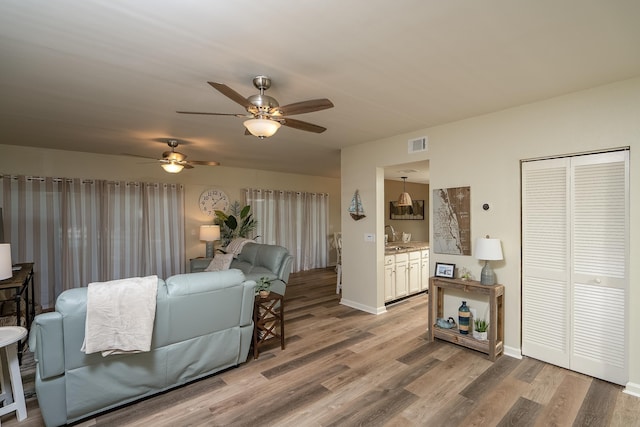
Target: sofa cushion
column 249, row 253
column 271, row 257
column 258, row 272
column 195, row 283
column 220, row 262
column 243, row 266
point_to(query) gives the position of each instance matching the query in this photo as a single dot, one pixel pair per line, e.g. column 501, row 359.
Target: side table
column 494, row 346
column 12, row 392
column 268, row 314
column 21, row 283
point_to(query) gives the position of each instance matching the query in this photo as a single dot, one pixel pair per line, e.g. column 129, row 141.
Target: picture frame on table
column 445, row 270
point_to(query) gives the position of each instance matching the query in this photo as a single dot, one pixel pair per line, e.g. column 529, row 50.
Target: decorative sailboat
column 355, row 209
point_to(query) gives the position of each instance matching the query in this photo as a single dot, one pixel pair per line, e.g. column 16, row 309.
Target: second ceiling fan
column 264, row 114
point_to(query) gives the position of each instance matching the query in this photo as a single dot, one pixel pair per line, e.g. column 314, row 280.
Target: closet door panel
column 599, row 269
column 598, row 339
column 545, row 300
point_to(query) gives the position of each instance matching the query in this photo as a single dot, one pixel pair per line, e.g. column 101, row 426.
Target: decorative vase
column 463, row 318
column 264, row 294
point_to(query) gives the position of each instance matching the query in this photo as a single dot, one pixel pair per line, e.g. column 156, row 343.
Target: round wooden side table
column 12, row 392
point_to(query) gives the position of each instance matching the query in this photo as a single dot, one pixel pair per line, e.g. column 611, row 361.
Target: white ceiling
column 107, row 76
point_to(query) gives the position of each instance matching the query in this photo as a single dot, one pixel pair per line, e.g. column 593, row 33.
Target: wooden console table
column 494, row 346
column 20, row 283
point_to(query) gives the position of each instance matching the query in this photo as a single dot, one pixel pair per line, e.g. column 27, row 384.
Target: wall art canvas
column 452, row 221
column 415, row 211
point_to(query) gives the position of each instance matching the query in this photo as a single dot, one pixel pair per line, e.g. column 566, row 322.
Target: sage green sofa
column 256, row 261
column 203, row 324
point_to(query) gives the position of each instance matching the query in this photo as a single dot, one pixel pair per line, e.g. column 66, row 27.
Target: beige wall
column 484, row 153
column 56, row 163
column 419, row 229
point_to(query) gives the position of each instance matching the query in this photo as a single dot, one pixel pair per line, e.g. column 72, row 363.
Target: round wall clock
column 213, row 200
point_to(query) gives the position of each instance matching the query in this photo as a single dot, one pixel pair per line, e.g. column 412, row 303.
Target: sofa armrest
column 285, row 268
column 48, row 335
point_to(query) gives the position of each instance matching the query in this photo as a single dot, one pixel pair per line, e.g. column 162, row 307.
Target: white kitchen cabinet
column 415, row 278
column 389, row 277
column 405, row 274
column 402, row 275
column 424, row 270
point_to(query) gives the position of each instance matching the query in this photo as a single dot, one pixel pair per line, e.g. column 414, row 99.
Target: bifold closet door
column 575, row 263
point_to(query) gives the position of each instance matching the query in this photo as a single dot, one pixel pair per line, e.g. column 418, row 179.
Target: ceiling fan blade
column 137, row 155
column 203, row 163
column 231, row 94
column 299, row 124
column 305, row 107
column 186, row 165
column 214, row 114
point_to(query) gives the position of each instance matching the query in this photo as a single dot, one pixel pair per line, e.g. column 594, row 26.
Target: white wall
column 40, row 162
column 484, row 153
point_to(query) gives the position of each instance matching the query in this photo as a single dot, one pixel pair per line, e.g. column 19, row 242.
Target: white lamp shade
column 172, row 167
column 488, row 249
column 262, row 128
column 209, row 233
column 5, row 261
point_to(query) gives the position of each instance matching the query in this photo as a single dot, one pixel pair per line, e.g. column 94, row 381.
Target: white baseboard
column 365, row 308
column 632, row 389
column 514, row 352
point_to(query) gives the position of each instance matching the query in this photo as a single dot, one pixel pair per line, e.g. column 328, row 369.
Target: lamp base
column 487, row 276
column 209, row 253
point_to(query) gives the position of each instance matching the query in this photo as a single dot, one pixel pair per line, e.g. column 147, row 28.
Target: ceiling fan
column 174, row 161
column 264, row 114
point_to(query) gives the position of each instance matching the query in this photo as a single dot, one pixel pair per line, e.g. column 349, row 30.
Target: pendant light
column 405, row 198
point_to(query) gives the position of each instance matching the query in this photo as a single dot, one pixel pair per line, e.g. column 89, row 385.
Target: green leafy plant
column 481, row 325
column 264, row 284
column 239, row 223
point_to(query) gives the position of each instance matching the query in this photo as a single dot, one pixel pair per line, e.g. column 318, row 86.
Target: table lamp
column 486, row 250
column 6, row 271
column 209, row 233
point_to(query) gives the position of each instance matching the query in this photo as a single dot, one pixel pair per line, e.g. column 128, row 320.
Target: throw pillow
column 220, row 262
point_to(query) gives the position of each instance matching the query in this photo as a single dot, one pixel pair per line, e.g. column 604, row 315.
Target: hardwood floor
column 343, row 367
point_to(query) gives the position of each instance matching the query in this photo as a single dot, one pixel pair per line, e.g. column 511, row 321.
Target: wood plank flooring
column 343, row 367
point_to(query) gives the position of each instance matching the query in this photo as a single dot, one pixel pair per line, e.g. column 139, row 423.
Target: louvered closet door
column 545, row 267
column 574, row 315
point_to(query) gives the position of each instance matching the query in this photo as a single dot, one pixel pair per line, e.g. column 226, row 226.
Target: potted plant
column 480, row 329
column 239, row 223
column 465, row 274
column 263, row 287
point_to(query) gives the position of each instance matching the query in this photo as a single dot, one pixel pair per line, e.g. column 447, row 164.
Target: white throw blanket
column 120, row 315
column 235, row 246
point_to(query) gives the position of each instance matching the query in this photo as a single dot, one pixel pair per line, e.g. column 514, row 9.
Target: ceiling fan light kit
column 262, row 128
column 173, row 161
column 172, row 167
column 265, row 113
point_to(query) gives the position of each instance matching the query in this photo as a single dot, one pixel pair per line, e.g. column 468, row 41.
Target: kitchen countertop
column 403, row 247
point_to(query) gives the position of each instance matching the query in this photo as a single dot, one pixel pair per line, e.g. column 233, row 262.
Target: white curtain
column 296, row 220
column 79, row 231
